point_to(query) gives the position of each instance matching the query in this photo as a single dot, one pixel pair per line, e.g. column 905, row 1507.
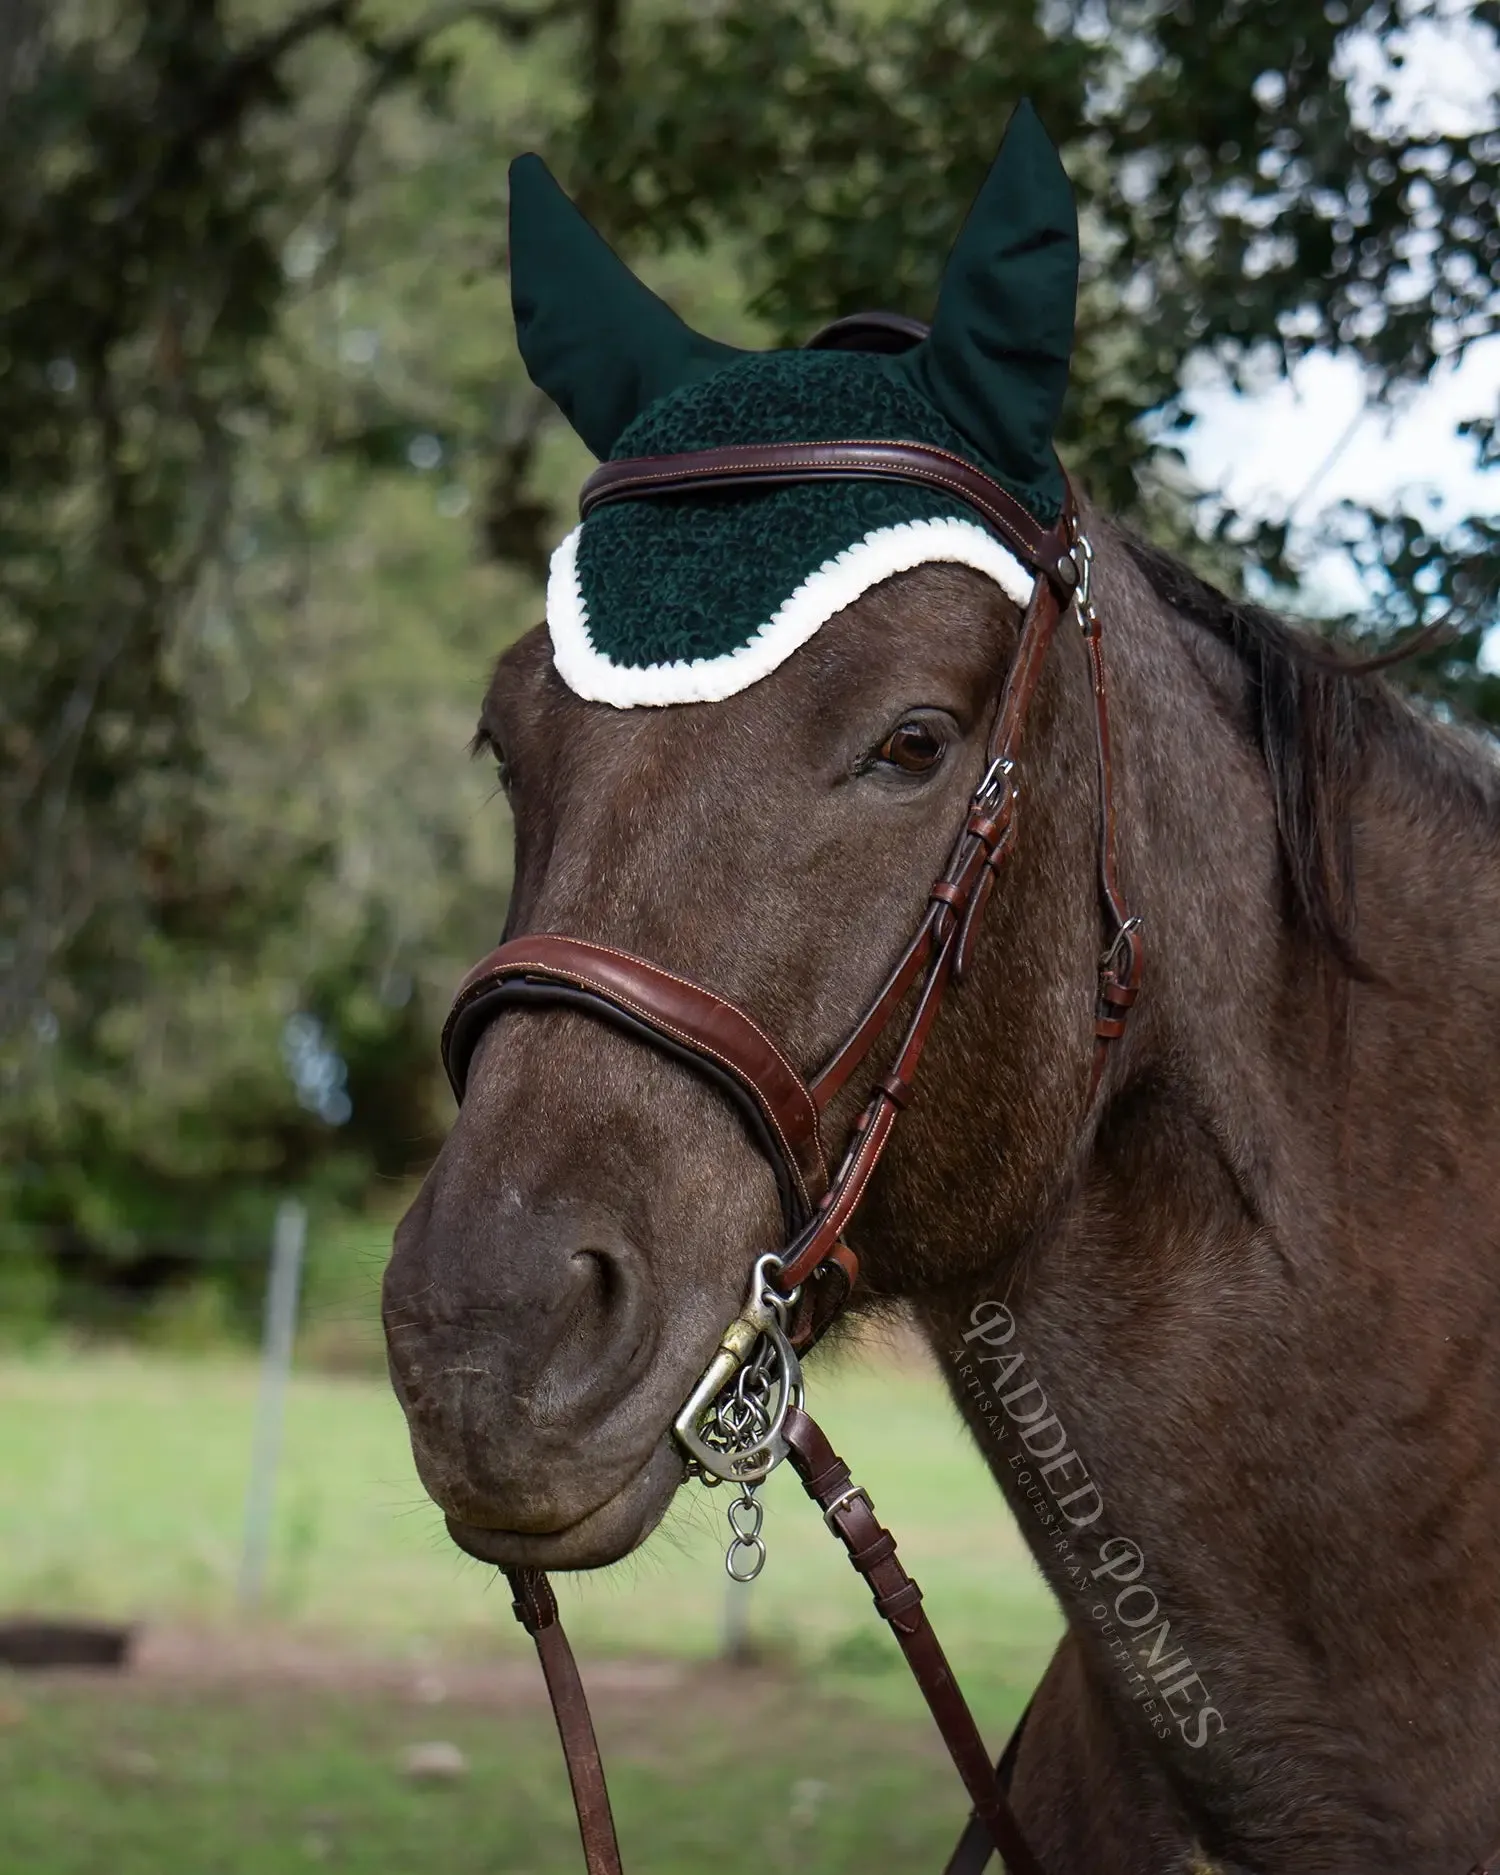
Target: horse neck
column 1265, row 1319
column 1342, row 1114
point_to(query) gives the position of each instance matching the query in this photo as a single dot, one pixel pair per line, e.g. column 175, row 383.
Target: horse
column 1240, row 1300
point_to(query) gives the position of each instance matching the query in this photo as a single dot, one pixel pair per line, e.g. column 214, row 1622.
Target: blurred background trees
column 273, row 491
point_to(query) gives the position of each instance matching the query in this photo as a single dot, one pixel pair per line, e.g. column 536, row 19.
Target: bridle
column 746, row 1413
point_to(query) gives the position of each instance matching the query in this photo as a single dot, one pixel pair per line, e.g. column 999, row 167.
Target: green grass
column 732, row 1777
column 124, row 1478
column 121, row 1493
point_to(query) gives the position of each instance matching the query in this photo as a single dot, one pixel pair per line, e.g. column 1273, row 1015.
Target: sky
column 1297, row 447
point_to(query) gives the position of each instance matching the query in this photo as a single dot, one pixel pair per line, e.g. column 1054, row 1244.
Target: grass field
column 121, row 1492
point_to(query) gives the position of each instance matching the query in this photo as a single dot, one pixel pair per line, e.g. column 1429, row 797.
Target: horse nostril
column 597, row 1290
column 545, row 1313
column 616, row 1291
column 601, row 1326
column 601, row 1284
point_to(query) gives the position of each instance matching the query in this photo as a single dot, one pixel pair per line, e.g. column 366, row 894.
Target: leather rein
column 798, row 1291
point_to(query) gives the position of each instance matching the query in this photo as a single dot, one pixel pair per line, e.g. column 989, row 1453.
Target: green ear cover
column 599, row 343
column 996, row 360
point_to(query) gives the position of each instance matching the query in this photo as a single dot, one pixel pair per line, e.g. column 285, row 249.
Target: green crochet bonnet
column 688, row 598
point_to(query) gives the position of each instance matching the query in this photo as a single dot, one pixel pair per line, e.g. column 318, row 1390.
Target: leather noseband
column 675, row 1016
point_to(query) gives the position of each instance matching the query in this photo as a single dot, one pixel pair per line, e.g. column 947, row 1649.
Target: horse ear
column 996, row 360
column 598, row 342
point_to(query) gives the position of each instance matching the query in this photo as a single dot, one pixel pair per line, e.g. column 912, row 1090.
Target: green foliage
column 234, row 633
column 1245, row 191
column 28, row 1296
column 274, row 490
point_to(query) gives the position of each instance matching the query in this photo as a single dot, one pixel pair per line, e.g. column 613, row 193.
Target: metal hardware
column 991, row 789
column 847, row 1496
column 746, row 1541
column 1121, row 945
column 1083, row 559
column 731, row 1426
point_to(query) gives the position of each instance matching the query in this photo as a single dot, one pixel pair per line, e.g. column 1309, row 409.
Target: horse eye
column 502, row 766
column 914, row 747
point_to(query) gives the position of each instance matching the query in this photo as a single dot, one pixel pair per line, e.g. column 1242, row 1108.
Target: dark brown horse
column 1258, row 1284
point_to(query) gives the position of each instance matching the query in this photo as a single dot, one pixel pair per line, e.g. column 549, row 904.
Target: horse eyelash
column 485, row 744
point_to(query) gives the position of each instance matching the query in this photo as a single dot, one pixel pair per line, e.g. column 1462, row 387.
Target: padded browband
column 1047, row 550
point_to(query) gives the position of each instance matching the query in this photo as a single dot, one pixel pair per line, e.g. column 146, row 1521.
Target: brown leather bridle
column 784, row 1112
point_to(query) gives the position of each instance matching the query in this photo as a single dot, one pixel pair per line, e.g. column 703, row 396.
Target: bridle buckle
column 850, row 1494
column 1123, row 944
column 991, row 790
column 1083, row 600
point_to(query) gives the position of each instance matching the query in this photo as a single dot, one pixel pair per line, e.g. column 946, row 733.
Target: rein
column 746, row 1414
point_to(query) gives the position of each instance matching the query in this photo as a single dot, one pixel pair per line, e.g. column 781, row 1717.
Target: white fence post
column 287, row 1243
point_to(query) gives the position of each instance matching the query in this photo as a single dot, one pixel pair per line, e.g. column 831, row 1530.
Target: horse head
column 779, row 840
column 740, row 750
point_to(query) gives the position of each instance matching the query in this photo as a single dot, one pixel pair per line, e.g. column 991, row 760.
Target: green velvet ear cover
column 996, row 360
column 599, row 343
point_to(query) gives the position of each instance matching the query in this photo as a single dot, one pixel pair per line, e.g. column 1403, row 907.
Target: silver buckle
column 991, row 789
column 1083, row 560
column 847, row 1496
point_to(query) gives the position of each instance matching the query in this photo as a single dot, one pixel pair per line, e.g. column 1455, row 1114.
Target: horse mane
column 1314, row 714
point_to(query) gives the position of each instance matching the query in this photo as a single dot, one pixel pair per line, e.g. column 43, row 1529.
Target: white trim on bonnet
column 834, row 585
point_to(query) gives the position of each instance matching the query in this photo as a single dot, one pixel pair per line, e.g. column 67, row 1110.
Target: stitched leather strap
column 972, row 1852
column 983, row 844
column 872, row 1550
column 1047, row 550
column 942, row 948
column 1123, row 964
column 666, row 1006
column 535, row 1607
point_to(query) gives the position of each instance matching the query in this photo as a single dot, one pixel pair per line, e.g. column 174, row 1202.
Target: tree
column 273, row 488
column 1245, row 187
column 179, row 442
